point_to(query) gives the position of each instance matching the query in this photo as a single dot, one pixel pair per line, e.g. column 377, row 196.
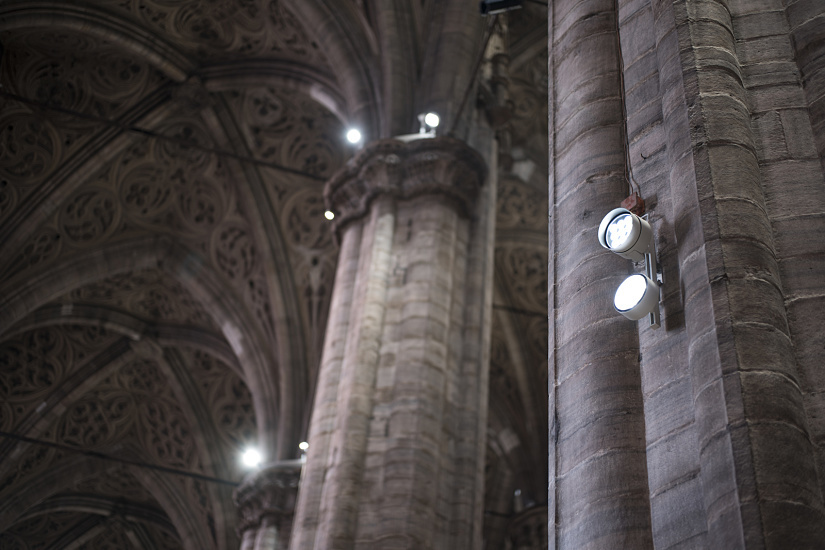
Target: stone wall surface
column 599, row 488
column 400, row 415
column 722, row 103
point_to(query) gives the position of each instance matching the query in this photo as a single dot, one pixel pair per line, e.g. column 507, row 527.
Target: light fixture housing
column 428, row 122
column 636, row 297
column 631, row 237
column 626, row 234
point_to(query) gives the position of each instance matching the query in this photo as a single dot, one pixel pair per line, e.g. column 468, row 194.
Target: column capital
column 406, row 169
column 268, row 494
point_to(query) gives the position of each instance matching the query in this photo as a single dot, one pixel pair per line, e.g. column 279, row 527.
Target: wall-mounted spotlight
column 492, row 7
column 631, row 237
column 428, row 123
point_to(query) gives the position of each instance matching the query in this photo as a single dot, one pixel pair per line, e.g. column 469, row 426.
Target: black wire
column 102, row 456
column 520, row 311
column 152, row 134
column 628, row 169
column 471, row 83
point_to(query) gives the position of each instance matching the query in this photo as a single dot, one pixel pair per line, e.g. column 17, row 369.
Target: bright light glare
column 329, row 215
column 353, row 136
column 431, row 120
column 303, row 445
column 251, row 458
column 619, row 230
column 630, row 292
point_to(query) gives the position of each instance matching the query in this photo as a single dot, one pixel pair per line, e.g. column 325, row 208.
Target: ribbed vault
column 169, row 270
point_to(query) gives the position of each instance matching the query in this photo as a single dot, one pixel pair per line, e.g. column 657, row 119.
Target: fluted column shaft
column 394, row 453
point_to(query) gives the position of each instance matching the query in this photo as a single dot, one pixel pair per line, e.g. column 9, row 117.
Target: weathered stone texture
column 599, row 486
column 399, row 419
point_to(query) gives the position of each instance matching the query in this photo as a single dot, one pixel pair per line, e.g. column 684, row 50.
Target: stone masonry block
column 677, row 516
column 672, row 459
column 669, row 409
column 805, row 315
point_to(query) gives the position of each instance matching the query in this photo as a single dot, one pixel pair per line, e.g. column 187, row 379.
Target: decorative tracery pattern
column 286, row 127
column 134, row 405
column 49, row 527
column 115, row 483
column 520, row 206
column 165, row 188
column 226, row 29
column 35, row 363
column 230, row 401
column 149, row 294
column 69, row 71
column 524, row 269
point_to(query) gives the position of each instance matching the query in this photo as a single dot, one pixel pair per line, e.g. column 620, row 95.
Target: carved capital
column 528, row 529
column 442, row 166
column 268, row 497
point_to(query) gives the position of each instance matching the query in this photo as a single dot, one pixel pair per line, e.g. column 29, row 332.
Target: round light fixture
column 626, row 234
column 329, row 214
column 303, row 445
column 636, row 297
column 353, row 136
column 431, row 120
column 251, row 458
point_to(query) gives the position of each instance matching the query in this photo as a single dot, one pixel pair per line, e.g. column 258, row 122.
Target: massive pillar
column 396, row 444
column 598, row 476
column 726, row 79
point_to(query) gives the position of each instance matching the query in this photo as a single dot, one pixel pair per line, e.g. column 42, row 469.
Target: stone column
column 598, row 475
column 266, row 502
column 396, row 440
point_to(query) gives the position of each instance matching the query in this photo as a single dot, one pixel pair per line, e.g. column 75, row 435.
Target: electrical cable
column 519, row 311
column 628, row 169
column 156, row 135
column 102, row 456
column 472, row 81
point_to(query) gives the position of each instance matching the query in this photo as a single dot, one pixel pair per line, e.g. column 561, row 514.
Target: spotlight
column 428, row 122
column 492, row 7
column 626, row 234
column 431, row 120
column 251, row 458
column 636, row 297
column 329, row 214
column 353, row 136
column 631, row 237
column 303, row 445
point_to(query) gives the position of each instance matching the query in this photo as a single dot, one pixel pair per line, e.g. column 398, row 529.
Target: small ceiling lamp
column 354, row 136
column 251, row 458
column 303, row 445
column 631, row 237
column 329, row 214
column 428, row 122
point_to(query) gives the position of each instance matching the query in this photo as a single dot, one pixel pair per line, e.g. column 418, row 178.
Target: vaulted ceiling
column 167, row 269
